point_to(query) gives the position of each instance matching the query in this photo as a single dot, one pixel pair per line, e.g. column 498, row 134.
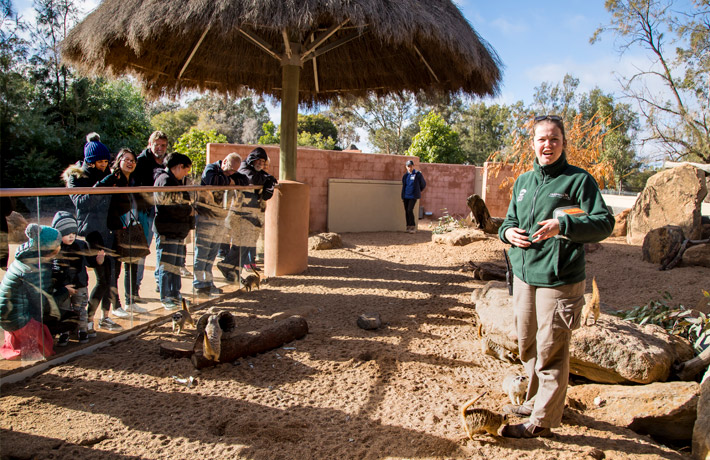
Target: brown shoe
column 519, row 411
column 526, row 430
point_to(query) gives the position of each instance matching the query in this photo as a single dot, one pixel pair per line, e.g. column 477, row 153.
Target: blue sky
column 536, row 41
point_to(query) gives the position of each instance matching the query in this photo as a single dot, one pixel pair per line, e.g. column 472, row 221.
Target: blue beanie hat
column 45, row 238
column 96, row 151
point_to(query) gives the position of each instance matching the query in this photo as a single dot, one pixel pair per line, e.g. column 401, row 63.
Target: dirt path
column 341, row 392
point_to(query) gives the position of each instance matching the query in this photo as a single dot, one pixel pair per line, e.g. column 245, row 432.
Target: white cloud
column 509, row 28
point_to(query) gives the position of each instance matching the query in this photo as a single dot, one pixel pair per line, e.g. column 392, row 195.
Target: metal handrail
column 55, row 191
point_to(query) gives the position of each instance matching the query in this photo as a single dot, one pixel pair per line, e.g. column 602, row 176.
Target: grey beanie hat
column 65, row 223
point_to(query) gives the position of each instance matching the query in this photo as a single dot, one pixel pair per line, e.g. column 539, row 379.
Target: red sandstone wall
column 496, row 199
column 448, row 186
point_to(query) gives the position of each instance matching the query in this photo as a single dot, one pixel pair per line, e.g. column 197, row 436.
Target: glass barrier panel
column 84, row 267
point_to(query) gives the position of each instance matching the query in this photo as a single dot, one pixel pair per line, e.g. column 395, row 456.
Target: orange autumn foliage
column 585, row 142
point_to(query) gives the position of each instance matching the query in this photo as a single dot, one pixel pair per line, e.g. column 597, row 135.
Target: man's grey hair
column 233, row 160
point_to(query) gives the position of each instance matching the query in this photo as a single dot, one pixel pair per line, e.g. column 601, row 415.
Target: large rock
column 459, row 237
column 665, row 410
column 324, row 241
column 697, row 255
column 701, row 431
column 671, row 197
column 612, row 351
column 495, row 312
column 660, row 245
column 619, row 351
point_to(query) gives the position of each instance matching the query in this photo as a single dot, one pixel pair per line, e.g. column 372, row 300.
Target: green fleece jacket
column 536, row 194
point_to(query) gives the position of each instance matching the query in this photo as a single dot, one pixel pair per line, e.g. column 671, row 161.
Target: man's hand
column 71, row 289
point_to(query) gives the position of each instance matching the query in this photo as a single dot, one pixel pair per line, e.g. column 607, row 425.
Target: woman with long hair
column 122, row 210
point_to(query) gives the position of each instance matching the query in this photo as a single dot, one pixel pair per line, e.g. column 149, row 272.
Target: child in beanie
column 69, row 270
column 28, row 300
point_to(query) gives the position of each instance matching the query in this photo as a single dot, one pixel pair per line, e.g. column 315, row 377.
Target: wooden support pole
column 289, row 121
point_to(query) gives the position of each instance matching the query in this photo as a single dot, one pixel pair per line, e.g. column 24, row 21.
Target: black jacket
column 120, row 203
column 173, row 210
column 144, row 176
column 257, row 178
column 70, row 265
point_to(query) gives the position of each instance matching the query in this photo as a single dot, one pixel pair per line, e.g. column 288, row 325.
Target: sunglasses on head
column 547, row 117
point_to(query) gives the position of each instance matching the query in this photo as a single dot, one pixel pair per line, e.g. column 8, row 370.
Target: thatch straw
column 153, row 39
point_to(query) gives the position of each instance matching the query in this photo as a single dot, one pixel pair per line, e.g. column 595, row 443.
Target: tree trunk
column 688, row 370
column 236, row 345
column 481, row 217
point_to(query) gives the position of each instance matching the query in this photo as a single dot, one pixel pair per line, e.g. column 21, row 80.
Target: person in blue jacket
column 413, row 184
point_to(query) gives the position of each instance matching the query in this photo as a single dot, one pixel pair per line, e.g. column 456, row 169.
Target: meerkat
column 250, row 281
column 212, row 338
column 491, row 348
column 479, row 421
column 592, row 307
column 181, row 317
column 516, row 387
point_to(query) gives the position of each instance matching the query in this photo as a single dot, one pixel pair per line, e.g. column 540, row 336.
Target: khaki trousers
column 544, row 320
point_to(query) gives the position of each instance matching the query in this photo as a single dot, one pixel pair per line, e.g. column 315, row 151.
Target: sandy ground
column 339, row 393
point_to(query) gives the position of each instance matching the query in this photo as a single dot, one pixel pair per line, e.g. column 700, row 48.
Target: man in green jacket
column 554, row 210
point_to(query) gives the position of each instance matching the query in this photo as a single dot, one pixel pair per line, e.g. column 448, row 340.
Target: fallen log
column 236, row 345
column 176, row 349
column 674, row 259
column 687, row 370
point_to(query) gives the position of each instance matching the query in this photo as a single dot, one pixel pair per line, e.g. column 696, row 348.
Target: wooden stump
column 236, row 345
column 481, row 217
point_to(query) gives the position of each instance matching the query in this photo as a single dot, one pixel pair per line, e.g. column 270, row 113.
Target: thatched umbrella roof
column 346, row 46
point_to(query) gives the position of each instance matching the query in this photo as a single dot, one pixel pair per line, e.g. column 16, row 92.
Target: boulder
column 612, row 351
column 697, row 255
column 621, row 223
column 459, row 237
column 495, row 313
column 701, row 431
column 671, row 197
column 369, row 321
column 324, row 241
column 660, row 245
column 619, row 351
column 664, row 410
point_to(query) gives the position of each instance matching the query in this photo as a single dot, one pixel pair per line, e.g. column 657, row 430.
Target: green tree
column 240, row 119
column 387, row 120
column 272, row 135
column 436, row 142
column 317, row 140
column 174, row 123
column 194, row 144
column 558, row 99
column 677, row 118
column 483, row 130
column 317, row 124
column 621, row 125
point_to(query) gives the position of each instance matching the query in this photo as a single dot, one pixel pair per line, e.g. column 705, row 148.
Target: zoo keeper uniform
column 548, row 289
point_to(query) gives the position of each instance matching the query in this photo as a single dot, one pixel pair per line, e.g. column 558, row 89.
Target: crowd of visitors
column 45, row 295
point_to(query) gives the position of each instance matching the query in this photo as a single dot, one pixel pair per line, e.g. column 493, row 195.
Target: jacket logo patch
column 521, row 194
column 562, row 196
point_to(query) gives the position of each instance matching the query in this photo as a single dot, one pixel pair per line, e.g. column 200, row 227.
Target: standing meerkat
column 592, row 307
column 479, row 421
column 212, row 338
